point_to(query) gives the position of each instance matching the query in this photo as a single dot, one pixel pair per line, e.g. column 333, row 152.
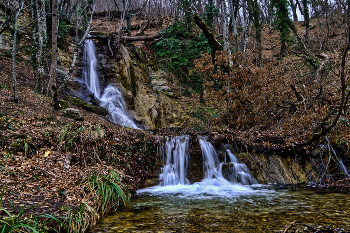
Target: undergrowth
column 25, row 221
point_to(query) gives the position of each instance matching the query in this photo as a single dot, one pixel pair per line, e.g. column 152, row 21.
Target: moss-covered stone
column 62, row 104
column 88, row 107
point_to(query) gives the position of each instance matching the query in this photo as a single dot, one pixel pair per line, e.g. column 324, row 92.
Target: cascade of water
column 175, row 169
column 111, row 99
column 239, row 172
column 89, row 70
column 234, row 171
column 210, row 159
column 344, row 168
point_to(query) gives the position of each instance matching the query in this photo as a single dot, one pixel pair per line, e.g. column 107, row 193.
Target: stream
column 261, row 210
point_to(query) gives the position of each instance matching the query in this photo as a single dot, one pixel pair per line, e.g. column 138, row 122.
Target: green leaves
column 109, row 194
column 24, row 221
column 177, row 51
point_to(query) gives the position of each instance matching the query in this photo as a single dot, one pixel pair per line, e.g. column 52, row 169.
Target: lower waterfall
column 176, row 157
column 175, row 154
column 111, row 99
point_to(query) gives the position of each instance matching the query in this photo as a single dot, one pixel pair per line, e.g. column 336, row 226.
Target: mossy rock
column 88, row 107
column 63, row 104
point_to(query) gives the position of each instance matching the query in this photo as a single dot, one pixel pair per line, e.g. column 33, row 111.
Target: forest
column 113, row 108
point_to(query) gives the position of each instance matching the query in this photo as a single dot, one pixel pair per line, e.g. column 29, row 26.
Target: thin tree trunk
column 234, row 22
column 307, row 23
column 40, row 6
column 52, row 81
column 15, row 94
column 244, row 38
column 75, row 55
column 122, row 17
column 294, row 10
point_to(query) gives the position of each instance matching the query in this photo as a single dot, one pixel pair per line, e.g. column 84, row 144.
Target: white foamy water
column 111, row 99
column 173, row 181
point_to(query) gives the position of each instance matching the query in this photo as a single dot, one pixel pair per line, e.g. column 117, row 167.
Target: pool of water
column 234, row 208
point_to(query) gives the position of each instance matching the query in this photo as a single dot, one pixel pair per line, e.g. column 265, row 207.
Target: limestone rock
column 73, row 114
column 158, row 81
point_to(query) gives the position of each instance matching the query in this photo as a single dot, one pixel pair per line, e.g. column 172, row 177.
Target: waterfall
column 111, row 99
column 89, row 70
column 176, row 157
column 210, row 159
column 239, row 172
column 234, row 171
column 344, row 168
column 175, row 152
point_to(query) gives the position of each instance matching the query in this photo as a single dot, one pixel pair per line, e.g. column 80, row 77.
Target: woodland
column 270, row 75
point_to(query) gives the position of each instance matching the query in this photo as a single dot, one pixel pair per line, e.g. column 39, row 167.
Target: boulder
column 73, row 114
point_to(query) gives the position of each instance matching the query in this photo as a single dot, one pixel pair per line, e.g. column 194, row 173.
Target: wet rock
column 88, row 107
column 150, row 183
column 73, row 114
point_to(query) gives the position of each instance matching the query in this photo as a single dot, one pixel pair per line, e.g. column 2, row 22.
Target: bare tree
column 52, row 81
column 19, row 9
column 78, row 44
column 42, row 38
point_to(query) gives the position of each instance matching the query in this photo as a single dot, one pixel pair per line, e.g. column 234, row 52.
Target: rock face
column 275, row 169
column 73, row 114
column 146, row 94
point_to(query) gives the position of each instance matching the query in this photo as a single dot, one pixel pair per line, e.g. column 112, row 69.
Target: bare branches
column 343, row 101
column 75, row 55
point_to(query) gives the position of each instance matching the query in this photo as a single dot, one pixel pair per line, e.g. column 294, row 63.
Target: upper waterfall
column 111, row 99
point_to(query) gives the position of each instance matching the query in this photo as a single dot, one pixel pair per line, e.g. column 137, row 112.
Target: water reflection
column 263, row 210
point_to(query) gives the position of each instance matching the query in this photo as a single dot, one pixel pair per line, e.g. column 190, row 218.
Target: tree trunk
column 214, row 44
column 244, row 38
column 125, row 8
column 52, row 81
column 225, row 29
column 140, row 38
column 255, row 15
column 40, row 6
column 15, row 94
column 294, row 10
column 307, row 23
column 233, row 4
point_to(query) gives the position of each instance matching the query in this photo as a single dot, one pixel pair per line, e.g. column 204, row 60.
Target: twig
column 291, row 225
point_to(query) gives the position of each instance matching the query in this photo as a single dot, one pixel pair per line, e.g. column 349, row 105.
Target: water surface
column 209, row 207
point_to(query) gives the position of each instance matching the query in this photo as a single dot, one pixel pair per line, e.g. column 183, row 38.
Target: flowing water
column 111, row 98
column 258, row 209
column 217, row 204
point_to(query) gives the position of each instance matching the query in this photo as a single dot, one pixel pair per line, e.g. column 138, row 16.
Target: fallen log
column 140, row 38
column 87, row 106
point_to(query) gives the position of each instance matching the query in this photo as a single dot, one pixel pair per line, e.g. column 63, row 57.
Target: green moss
column 89, row 107
column 170, row 95
column 63, row 104
column 133, row 81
